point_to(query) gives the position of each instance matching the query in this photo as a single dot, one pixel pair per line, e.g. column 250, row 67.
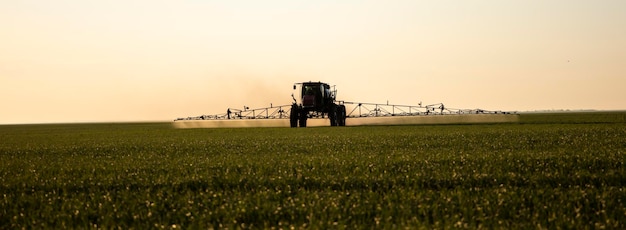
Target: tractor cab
column 316, row 95
column 311, row 95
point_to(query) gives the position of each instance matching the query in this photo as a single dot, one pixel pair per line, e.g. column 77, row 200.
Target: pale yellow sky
column 80, row 61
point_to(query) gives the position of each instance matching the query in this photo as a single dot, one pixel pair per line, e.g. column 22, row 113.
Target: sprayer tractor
column 317, row 99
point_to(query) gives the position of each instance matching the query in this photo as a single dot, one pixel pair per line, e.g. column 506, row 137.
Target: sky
column 138, row 60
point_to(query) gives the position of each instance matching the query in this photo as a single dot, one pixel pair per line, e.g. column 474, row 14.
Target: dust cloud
column 399, row 120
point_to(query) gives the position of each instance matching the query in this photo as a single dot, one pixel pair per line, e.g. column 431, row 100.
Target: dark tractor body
column 316, row 100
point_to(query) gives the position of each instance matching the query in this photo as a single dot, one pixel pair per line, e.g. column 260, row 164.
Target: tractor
column 316, row 100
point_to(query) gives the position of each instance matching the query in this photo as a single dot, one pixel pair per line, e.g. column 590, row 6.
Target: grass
column 535, row 174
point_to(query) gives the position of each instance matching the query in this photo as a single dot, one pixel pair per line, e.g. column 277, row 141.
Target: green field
column 547, row 171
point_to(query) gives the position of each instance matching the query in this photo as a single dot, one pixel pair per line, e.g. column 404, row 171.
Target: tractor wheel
column 341, row 115
column 293, row 116
column 332, row 115
column 303, row 116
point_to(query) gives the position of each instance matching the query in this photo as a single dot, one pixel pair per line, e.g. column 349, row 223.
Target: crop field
column 545, row 171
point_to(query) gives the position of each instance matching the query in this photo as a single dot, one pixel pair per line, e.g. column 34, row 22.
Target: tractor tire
column 332, row 115
column 303, row 116
column 341, row 115
column 293, row 116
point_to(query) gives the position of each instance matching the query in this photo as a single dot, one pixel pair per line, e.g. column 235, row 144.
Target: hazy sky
column 88, row 60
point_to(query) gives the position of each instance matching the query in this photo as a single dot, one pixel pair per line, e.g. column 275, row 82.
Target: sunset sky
column 136, row 60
